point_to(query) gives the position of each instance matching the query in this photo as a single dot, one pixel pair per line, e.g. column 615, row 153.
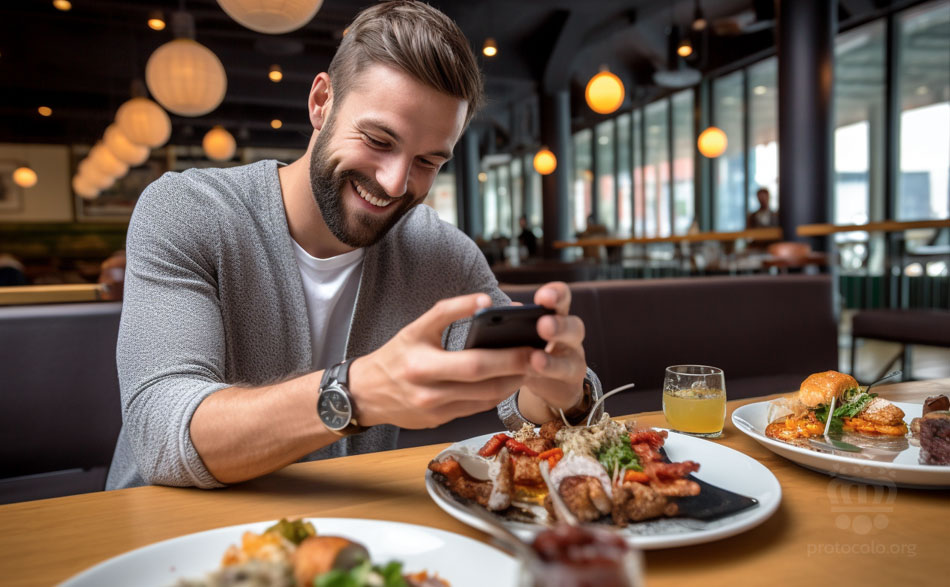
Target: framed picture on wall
column 11, row 195
column 116, row 203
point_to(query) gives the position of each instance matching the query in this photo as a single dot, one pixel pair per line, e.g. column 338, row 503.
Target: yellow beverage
column 695, row 411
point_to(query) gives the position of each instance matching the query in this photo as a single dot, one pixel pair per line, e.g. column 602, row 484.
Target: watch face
column 334, row 408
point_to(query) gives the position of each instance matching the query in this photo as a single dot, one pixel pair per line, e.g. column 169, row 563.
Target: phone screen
column 507, row 326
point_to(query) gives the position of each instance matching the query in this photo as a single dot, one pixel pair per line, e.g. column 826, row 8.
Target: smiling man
column 276, row 313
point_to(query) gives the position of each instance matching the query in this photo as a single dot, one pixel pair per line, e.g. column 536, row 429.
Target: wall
column 50, row 200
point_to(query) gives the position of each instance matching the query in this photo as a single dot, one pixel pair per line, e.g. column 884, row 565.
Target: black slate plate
column 712, row 502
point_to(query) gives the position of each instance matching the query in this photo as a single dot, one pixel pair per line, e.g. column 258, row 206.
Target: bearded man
column 276, row 313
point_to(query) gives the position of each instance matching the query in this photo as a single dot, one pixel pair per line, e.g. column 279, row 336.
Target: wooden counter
column 44, row 542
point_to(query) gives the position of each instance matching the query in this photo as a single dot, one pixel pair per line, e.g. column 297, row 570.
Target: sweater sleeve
column 170, row 353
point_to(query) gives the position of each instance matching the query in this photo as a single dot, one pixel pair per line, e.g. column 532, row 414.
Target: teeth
column 371, row 198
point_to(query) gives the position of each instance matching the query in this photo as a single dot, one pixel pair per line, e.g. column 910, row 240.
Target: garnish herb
column 853, row 401
column 364, row 575
column 295, row 531
column 618, row 456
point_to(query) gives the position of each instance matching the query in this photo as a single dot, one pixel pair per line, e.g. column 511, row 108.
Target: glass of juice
column 694, row 400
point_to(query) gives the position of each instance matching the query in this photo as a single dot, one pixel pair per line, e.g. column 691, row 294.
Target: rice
column 587, row 440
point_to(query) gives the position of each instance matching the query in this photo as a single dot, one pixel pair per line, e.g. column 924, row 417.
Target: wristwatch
column 334, row 402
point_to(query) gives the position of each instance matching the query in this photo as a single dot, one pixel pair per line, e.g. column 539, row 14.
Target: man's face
column 379, row 151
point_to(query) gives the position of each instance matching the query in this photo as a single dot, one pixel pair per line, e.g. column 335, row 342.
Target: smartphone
column 502, row 327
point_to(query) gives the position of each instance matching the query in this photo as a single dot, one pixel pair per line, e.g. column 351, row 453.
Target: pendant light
column 183, row 75
column 712, row 142
column 545, row 162
column 219, row 144
column 103, row 160
column 124, row 149
column 144, row 122
column 270, row 17
column 83, row 188
column 24, row 176
column 604, row 92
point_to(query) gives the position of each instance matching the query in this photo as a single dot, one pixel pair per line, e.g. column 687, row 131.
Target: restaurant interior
column 757, row 185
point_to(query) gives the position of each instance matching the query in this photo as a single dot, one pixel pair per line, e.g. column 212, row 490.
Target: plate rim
column 89, row 572
column 765, row 509
column 748, row 428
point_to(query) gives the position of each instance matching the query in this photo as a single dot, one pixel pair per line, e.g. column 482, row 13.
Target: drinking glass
column 694, row 400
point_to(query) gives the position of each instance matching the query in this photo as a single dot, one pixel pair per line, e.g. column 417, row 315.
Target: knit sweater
column 214, row 298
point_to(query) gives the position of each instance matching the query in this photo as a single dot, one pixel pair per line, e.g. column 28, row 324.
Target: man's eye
column 376, row 143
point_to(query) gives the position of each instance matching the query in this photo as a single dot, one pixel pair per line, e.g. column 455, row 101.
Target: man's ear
column 320, row 100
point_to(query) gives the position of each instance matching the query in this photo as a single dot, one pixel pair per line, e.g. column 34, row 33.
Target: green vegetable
column 620, row 455
column 364, row 575
column 853, row 402
column 295, row 531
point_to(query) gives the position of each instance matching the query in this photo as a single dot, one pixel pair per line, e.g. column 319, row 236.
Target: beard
column 361, row 228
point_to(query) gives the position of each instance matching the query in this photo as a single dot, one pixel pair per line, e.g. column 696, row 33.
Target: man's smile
column 363, row 193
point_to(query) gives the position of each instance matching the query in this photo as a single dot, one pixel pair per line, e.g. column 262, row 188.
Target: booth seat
column 767, row 333
column 59, row 390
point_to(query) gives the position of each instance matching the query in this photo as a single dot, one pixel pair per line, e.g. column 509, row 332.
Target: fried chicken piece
column 635, row 502
column 492, row 494
column 539, row 444
column 882, row 412
column 585, row 497
column 549, row 430
column 659, row 471
column 525, row 470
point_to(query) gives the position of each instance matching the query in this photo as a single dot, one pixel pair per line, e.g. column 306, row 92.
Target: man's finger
column 568, row 330
column 555, row 295
column 445, row 312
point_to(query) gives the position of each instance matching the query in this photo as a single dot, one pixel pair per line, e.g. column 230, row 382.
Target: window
column 729, row 187
column 583, row 179
column 533, row 195
column 442, row 196
column 517, row 194
column 606, row 192
column 763, row 132
column 490, row 199
column 924, row 70
column 657, row 169
column 503, row 190
column 624, row 194
column 859, row 126
column 639, row 196
column 683, row 199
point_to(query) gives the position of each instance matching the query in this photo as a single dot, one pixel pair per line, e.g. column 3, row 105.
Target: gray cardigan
column 214, row 298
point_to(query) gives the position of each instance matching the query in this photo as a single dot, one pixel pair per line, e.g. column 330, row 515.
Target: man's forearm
column 243, row 433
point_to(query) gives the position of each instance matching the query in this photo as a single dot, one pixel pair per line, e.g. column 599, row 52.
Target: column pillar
column 555, row 188
column 466, row 180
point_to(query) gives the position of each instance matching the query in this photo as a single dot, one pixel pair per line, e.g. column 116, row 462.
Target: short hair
column 416, row 38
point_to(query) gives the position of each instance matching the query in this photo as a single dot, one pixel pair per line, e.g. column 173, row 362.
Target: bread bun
column 819, row 388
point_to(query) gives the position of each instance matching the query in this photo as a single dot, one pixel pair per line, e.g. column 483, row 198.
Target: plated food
column 609, row 470
column 931, row 431
column 292, row 554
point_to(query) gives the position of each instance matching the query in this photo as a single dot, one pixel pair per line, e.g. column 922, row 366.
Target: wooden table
column 47, row 541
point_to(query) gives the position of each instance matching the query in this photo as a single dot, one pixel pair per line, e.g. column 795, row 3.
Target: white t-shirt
column 330, row 286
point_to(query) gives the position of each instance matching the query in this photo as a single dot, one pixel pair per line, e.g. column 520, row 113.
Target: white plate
column 719, row 465
column 460, row 560
column 904, row 470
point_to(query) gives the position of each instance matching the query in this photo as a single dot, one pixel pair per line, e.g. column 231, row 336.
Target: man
column 764, row 216
column 247, row 288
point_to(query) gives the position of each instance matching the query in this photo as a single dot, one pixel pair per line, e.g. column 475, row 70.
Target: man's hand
column 557, row 373
column 413, row 382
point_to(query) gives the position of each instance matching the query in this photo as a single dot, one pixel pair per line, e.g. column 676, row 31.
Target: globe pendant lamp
column 712, row 142
column 124, row 149
column 183, row 75
column 144, row 122
column 604, row 92
column 103, row 160
column 270, row 17
column 545, row 162
column 219, row 144
column 91, row 175
column 83, row 188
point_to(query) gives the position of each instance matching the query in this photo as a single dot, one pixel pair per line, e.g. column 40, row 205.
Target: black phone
column 502, row 327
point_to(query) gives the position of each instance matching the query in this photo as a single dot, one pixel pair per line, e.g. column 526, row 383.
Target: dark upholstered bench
column 766, row 332
column 60, row 413
column 907, row 327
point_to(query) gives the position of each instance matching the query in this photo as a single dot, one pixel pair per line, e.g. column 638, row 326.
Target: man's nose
column 393, row 176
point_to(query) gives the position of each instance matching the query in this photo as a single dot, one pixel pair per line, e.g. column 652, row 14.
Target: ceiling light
column 144, row 122
column 276, row 123
column 183, row 75
column 712, row 142
column 105, row 161
column 91, row 175
column 219, row 144
column 490, row 48
column 699, row 20
column 273, row 18
column 482, row 176
column 83, row 188
column 63, row 5
column 275, row 74
column 545, row 162
column 124, row 149
column 45, row 111
column 24, row 177
column 922, row 90
column 156, row 21
column 760, row 90
column 604, row 93
column 685, row 48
